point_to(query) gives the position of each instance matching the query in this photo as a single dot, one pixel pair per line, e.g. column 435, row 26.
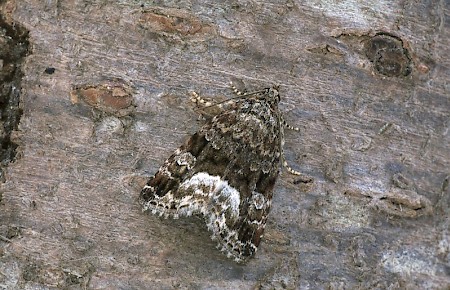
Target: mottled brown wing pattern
column 226, row 172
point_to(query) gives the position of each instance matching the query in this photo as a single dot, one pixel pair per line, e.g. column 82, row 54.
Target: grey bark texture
column 367, row 83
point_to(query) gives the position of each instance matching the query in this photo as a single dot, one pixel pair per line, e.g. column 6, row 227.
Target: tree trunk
column 105, row 98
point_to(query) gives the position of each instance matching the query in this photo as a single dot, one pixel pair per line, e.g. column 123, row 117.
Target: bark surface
column 104, row 99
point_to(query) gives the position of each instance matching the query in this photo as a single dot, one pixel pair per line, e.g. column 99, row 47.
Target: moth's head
column 272, row 95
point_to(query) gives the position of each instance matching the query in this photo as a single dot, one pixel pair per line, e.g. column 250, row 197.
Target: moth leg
column 236, row 90
column 209, row 108
column 285, row 124
column 283, row 157
column 286, row 165
column 200, row 101
column 205, row 107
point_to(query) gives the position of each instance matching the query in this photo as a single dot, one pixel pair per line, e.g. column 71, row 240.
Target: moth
column 226, row 172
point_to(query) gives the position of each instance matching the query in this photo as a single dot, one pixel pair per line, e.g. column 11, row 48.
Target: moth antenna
column 244, row 94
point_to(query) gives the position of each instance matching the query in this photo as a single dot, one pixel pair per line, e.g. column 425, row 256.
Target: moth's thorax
column 258, row 113
column 261, row 109
column 272, row 97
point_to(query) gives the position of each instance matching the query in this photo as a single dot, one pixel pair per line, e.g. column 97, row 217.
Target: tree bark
column 105, row 99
